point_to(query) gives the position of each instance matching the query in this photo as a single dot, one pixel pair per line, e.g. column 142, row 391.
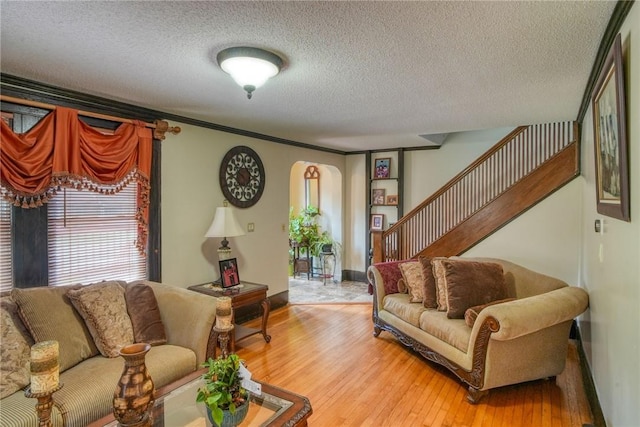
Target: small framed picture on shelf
column 392, row 199
column 382, row 168
column 377, row 196
column 229, row 273
column 377, row 221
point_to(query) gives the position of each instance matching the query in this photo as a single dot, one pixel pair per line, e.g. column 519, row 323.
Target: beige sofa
column 88, row 386
column 511, row 342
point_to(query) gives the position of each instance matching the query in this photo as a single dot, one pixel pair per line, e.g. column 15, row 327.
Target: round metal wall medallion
column 242, row 177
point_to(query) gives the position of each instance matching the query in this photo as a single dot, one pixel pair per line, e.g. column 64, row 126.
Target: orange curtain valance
column 62, row 151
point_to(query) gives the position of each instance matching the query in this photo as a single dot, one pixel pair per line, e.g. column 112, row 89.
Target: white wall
column 546, row 238
column 611, row 328
column 191, row 192
column 355, row 226
column 428, row 170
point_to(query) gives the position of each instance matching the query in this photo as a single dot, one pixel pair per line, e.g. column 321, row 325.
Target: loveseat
column 90, row 366
column 521, row 335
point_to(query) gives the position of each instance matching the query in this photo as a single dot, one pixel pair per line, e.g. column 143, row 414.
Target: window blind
column 6, row 271
column 92, row 237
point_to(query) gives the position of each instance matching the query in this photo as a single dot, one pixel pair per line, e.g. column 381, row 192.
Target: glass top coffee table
column 176, row 405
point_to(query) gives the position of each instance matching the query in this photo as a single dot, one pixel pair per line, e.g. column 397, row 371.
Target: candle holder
column 44, row 405
column 223, row 339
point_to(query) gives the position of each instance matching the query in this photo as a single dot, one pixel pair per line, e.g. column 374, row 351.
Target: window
column 79, row 236
column 6, row 272
column 92, row 236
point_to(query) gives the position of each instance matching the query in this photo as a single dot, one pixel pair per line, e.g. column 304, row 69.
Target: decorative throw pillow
column 471, row 314
column 441, row 283
column 14, row 351
column 470, row 283
column 390, row 273
column 104, row 310
column 48, row 314
column 429, row 290
column 412, row 276
column 143, row 310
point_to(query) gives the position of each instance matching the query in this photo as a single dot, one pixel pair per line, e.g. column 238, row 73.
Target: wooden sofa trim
column 475, row 377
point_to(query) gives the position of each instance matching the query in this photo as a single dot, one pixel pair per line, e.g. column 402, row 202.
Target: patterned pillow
column 390, row 275
column 412, row 275
column 441, row 283
column 143, row 310
column 429, row 289
column 14, row 351
column 49, row 315
column 104, row 310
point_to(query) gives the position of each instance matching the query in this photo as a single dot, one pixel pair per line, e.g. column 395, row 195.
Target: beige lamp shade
column 224, row 225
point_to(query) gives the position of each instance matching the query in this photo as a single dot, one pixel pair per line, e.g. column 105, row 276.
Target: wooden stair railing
column 519, row 171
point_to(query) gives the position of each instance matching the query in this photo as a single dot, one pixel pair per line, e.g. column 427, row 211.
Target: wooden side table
column 246, row 293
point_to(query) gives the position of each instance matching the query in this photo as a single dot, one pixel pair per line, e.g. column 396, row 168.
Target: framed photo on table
column 377, row 221
column 382, row 168
column 610, row 137
column 229, row 273
column 377, row 196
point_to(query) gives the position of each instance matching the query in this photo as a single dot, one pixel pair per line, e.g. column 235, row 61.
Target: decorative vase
column 229, row 419
column 134, row 395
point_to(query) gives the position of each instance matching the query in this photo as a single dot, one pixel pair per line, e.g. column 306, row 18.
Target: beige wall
column 611, row 328
column 191, row 192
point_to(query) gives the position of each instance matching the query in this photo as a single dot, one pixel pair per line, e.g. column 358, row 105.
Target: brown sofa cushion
column 14, row 351
column 429, row 289
column 412, row 275
column 143, row 310
column 470, row 283
column 471, row 314
column 49, row 315
column 104, row 310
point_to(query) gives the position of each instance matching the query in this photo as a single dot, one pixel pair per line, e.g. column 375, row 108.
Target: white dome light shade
column 250, row 67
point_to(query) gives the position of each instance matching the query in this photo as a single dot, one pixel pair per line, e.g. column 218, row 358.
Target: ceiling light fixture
column 250, row 67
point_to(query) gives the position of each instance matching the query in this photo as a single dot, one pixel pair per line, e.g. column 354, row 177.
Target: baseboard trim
column 354, row 276
column 589, row 385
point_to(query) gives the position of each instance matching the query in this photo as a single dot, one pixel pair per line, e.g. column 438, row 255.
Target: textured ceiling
column 358, row 75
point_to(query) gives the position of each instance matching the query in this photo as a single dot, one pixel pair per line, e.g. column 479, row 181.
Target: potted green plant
column 226, row 400
column 325, row 244
column 303, row 228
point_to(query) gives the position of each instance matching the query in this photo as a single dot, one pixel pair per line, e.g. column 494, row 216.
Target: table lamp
column 224, row 225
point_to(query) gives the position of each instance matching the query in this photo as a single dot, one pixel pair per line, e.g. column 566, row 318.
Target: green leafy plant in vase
column 226, row 400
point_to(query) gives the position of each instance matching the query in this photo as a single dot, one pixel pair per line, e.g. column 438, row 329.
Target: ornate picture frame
column 610, row 137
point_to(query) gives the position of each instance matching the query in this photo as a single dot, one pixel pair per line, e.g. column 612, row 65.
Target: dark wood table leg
column 266, row 307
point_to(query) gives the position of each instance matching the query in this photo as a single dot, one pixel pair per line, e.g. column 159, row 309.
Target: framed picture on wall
column 382, row 168
column 377, row 221
column 377, row 196
column 610, row 137
column 229, row 273
column 392, row 199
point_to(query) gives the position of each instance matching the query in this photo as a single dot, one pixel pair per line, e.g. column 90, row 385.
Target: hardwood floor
column 328, row 353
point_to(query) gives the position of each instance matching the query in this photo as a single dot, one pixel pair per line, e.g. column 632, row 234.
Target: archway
column 322, row 189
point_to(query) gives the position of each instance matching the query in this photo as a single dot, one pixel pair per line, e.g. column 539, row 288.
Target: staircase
column 519, row 171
